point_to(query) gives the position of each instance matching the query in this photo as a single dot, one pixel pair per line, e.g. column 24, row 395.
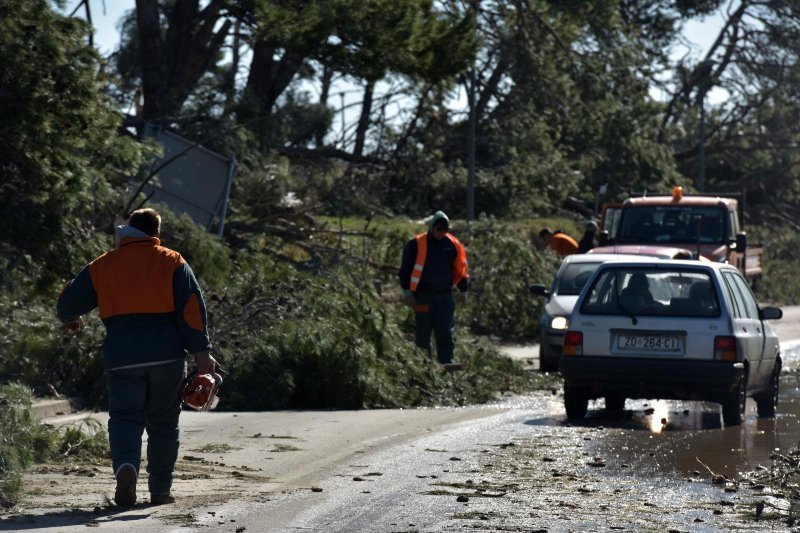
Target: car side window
column 739, row 309
column 747, row 296
column 574, row 277
column 602, row 295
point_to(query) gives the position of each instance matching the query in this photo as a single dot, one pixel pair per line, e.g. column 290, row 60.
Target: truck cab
column 707, row 227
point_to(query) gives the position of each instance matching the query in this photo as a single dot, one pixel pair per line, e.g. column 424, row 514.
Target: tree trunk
column 327, row 76
column 230, row 88
column 173, row 64
column 269, row 77
column 363, row 121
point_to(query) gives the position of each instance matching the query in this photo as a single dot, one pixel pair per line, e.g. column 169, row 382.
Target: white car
column 666, row 329
column 560, row 298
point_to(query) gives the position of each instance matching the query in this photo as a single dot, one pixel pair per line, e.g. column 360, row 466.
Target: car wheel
column 546, row 365
column 767, row 403
column 615, row 402
column 734, row 403
column 576, row 401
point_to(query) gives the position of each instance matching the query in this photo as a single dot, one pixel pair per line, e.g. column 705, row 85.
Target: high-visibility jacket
column 459, row 266
column 148, row 299
column 563, row 244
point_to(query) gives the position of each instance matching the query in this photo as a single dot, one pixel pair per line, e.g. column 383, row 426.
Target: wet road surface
column 649, row 468
column 521, row 466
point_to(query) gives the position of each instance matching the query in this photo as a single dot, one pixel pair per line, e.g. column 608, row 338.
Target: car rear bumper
column 651, row 378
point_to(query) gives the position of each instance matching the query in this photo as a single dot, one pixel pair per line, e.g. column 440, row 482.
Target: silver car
column 560, row 298
column 664, row 329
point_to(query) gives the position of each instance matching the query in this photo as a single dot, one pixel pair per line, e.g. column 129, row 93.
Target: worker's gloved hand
column 408, row 298
column 205, row 363
column 73, row 326
column 462, row 299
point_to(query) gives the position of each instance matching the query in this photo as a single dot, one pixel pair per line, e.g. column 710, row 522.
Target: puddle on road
column 675, row 436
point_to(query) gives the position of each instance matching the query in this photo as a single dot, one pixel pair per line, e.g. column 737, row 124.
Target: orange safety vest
column 459, row 266
column 563, row 244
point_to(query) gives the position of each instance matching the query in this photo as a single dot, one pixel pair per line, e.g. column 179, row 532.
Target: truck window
column 733, row 226
column 611, row 216
column 672, row 224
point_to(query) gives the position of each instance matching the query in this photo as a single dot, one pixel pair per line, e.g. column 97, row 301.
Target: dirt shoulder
column 224, row 457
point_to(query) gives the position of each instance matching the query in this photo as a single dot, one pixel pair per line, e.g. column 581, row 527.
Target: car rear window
column 652, row 292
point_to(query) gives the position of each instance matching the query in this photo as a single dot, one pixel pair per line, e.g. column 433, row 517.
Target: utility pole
column 471, row 127
column 701, row 155
column 702, row 78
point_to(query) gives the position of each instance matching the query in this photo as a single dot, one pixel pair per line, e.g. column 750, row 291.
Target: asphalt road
column 517, row 465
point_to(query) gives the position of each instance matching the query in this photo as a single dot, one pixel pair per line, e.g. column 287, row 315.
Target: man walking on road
column 433, row 264
column 154, row 314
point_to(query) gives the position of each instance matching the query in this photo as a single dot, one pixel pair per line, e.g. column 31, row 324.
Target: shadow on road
column 72, row 517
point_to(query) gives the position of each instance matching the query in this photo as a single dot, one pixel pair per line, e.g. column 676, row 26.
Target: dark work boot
column 162, row 499
column 125, row 495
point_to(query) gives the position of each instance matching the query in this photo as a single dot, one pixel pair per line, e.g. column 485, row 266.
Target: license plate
column 663, row 343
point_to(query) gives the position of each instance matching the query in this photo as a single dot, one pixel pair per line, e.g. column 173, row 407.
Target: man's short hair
column 545, row 232
column 147, row 220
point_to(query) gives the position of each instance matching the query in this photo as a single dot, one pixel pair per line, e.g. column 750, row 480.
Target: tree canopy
column 564, row 102
column 60, row 153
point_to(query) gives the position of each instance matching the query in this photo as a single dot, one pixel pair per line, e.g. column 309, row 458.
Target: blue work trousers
column 437, row 319
column 146, row 398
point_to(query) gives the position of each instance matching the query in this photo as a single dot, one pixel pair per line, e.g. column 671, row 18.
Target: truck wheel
column 734, row 403
column 767, row 403
column 615, row 402
column 576, row 402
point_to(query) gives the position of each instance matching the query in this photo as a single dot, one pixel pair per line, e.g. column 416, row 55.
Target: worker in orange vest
column 434, row 263
column 559, row 242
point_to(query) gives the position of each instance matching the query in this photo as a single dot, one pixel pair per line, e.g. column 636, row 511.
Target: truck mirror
column 741, row 242
column 602, row 237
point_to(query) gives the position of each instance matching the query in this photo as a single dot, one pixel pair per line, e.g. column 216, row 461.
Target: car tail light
column 573, row 343
column 725, row 348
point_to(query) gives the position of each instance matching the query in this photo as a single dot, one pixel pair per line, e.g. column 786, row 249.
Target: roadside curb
column 52, row 408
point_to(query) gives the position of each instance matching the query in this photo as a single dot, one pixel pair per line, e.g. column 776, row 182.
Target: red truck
column 702, row 226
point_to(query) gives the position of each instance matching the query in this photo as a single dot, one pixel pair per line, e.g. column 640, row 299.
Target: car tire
column 546, row 365
column 767, row 403
column 615, row 402
column 576, row 401
column 734, row 403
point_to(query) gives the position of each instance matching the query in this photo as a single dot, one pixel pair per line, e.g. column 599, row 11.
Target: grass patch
column 182, row 520
column 278, row 448
column 219, row 447
column 25, row 440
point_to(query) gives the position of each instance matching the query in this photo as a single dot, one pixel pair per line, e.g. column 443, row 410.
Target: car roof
column 667, row 264
column 599, row 258
column 646, row 250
